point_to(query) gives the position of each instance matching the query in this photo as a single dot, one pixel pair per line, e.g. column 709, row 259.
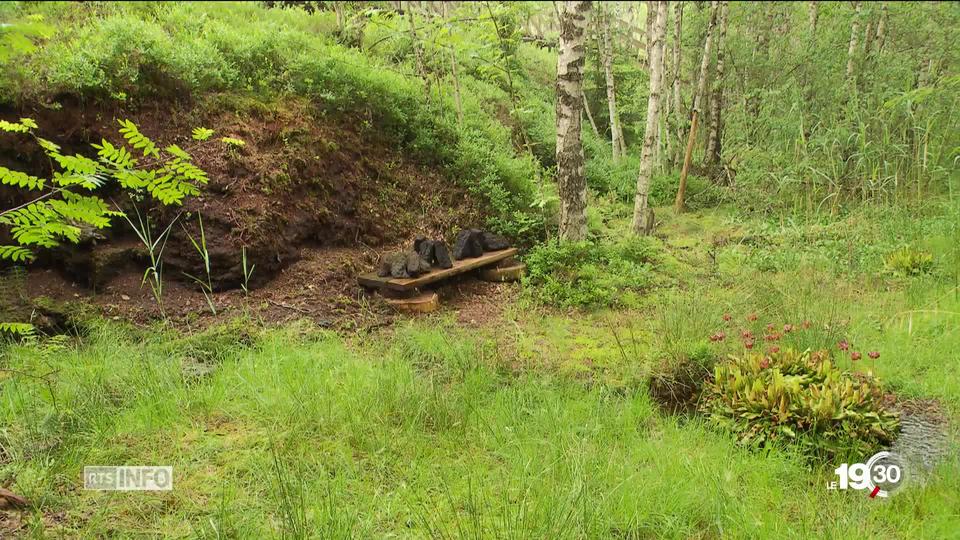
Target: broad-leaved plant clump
column 799, row 398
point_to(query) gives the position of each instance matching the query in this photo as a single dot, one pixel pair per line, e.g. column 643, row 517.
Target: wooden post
column 682, row 190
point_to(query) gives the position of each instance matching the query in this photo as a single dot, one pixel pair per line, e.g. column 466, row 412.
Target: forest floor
column 493, row 418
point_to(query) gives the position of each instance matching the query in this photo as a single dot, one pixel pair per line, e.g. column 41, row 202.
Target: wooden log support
column 426, row 302
column 371, row 279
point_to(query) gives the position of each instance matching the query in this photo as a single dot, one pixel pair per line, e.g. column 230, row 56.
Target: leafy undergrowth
column 590, row 274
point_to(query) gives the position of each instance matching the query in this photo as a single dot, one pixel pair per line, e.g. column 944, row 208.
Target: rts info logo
column 881, row 475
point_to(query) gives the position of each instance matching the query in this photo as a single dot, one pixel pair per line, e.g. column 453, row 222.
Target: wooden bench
column 402, row 285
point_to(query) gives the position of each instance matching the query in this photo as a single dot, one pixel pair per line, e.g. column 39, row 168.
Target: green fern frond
column 49, row 146
column 20, row 179
column 17, row 329
column 91, row 210
column 16, row 253
column 37, row 212
column 76, row 164
column 138, row 140
column 178, row 152
column 15, row 127
column 117, row 156
column 201, row 133
column 231, row 141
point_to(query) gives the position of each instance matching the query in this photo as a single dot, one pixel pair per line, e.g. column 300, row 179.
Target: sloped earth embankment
column 312, row 200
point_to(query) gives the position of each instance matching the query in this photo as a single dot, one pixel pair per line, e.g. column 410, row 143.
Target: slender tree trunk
column 882, row 27
column 571, row 183
column 341, row 19
column 453, row 66
column 641, row 215
column 677, row 104
column 716, row 97
column 808, row 95
column 606, row 53
column 814, row 14
column 418, row 50
column 852, row 49
column 663, row 110
column 760, row 55
column 586, row 109
column 701, row 89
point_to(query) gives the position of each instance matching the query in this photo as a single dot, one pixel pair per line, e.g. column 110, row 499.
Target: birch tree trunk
column 453, row 66
column 571, row 183
column 418, row 50
column 813, row 13
column 716, row 97
column 341, row 19
column 697, row 98
column 606, row 51
column 641, row 215
column 882, row 27
column 677, row 111
column 852, row 49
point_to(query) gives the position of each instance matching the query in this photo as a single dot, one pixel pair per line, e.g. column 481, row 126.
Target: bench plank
column 371, row 279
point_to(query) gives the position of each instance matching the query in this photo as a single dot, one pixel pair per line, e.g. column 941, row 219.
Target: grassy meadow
column 535, row 425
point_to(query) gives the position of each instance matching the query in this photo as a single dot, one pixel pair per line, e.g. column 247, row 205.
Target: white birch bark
column 606, row 50
column 852, row 49
column 641, row 223
column 571, row 182
column 716, row 97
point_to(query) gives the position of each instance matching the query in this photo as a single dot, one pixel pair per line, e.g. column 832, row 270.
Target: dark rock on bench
column 468, row 245
column 408, row 264
column 434, row 252
column 418, row 242
column 425, row 248
column 493, row 242
column 416, row 265
column 396, row 266
column 441, row 255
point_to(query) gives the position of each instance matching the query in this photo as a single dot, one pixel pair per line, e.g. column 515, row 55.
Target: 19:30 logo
column 881, row 475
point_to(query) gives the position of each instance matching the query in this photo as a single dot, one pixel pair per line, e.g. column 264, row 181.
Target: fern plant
column 62, row 206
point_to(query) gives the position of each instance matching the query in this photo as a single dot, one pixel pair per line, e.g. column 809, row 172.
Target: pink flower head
column 787, row 328
column 774, row 350
column 806, row 325
column 873, row 354
column 843, row 345
column 765, row 363
column 770, row 327
column 746, row 334
column 752, row 317
column 748, row 344
column 855, row 355
column 721, row 335
column 772, row 337
column 727, row 317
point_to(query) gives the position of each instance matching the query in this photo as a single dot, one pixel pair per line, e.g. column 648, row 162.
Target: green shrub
column 908, row 261
column 589, row 274
column 800, row 398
